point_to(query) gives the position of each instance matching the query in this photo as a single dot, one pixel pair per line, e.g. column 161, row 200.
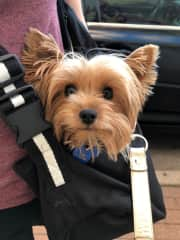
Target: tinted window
column 163, row 12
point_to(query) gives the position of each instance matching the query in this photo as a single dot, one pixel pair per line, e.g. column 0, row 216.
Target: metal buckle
column 7, row 57
column 135, row 135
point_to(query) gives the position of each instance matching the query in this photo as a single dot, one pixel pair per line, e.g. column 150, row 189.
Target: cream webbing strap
column 143, row 224
column 50, row 159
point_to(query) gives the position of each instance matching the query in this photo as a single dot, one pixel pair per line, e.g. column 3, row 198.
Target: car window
column 160, row 12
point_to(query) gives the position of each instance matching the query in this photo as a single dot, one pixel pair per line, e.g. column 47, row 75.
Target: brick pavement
column 168, row 229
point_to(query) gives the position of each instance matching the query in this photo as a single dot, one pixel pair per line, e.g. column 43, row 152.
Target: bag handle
column 142, row 213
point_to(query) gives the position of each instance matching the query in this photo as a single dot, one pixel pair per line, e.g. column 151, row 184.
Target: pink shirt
column 15, row 19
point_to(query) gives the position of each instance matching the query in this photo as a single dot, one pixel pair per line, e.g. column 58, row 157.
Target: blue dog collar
column 84, row 155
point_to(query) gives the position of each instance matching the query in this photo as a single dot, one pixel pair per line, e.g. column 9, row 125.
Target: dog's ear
column 143, row 63
column 40, row 56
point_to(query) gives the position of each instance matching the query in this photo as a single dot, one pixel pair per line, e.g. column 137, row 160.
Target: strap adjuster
column 26, row 92
column 17, row 91
column 12, row 57
column 19, row 106
column 27, row 121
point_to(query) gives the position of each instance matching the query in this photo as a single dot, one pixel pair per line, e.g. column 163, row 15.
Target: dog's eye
column 69, row 89
column 108, row 93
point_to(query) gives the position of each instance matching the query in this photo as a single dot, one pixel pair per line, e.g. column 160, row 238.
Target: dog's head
column 90, row 102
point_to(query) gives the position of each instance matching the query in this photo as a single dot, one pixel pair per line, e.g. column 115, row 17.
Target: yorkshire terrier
column 90, row 102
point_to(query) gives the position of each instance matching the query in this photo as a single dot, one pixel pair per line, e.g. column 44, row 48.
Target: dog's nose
column 88, row 116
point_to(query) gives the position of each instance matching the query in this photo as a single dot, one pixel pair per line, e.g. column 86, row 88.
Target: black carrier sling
column 78, row 201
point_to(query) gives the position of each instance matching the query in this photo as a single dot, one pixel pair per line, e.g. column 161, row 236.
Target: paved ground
column 166, row 156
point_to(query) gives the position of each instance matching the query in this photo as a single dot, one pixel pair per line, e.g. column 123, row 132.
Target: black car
column 128, row 24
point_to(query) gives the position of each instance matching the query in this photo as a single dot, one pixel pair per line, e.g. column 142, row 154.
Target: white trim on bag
column 50, row 159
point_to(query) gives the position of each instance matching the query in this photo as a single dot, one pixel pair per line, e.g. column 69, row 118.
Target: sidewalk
column 168, row 229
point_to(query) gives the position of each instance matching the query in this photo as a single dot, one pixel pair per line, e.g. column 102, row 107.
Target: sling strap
column 22, row 110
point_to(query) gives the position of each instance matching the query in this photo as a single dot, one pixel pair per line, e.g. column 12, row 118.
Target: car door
column 128, row 24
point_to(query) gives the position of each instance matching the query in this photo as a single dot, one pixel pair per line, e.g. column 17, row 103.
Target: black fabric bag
column 95, row 201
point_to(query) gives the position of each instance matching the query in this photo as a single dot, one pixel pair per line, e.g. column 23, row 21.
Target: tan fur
column 131, row 78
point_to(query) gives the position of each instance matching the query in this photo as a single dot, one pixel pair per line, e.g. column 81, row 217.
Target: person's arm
column 76, row 5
